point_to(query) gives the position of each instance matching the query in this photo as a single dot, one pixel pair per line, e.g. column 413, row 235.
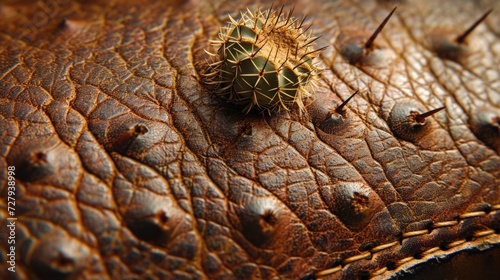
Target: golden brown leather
column 128, row 167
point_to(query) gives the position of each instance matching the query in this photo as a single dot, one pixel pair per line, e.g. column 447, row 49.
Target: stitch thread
column 380, row 271
column 327, row 272
column 431, row 250
column 414, row 233
column 483, row 233
column 455, row 243
column 444, row 224
column 369, row 254
column 472, row 215
column 366, row 255
column 383, row 247
column 405, row 260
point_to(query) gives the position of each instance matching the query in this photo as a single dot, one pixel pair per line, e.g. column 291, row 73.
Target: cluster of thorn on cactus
column 264, row 60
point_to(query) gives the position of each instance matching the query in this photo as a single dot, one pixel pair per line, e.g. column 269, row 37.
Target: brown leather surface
column 468, row 264
column 127, row 167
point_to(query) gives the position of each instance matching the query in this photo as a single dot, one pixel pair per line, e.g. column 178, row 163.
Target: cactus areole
column 264, row 61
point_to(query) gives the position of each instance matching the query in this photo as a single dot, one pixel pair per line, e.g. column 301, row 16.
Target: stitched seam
column 370, row 253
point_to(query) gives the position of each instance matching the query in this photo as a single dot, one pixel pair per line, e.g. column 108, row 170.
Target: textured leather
column 128, row 167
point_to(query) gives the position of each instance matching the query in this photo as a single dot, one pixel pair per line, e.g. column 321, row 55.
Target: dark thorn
column 340, row 108
column 302, row 22
column 313, row 51
column 378, row 30
column 303, row 32
column 299, row 65
column 286, row 59
column 322, row 48
column 460, row 39
column 265, row 63
column 255, row 53
column 279, row 14
column 311, row 41
column 289, row 15
column 276, row 53
column 421, row 117
column 268, row 15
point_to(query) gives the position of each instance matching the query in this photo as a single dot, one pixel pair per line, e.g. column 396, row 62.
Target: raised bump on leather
column 200, row 190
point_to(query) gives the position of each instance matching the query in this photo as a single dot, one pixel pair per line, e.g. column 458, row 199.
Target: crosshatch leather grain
column 128, row 166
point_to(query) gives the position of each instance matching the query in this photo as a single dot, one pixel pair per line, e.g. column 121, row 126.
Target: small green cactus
column 264, row 60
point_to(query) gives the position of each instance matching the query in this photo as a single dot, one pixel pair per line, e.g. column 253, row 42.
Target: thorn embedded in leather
column 420, row 118
column 339, row 113
column 356, row 49
column 408, row 122
column 340, row 108
column 330, row 115
column 369, row 43
column 454, row 49
column 461, row 39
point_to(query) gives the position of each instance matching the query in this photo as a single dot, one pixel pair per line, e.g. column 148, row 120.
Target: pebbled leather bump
column 354, row 203
column 262, row 220
column 59, row 256
column 485, row 123
column 403, row 121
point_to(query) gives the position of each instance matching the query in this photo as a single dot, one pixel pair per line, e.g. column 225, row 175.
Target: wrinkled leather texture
column 128, row 167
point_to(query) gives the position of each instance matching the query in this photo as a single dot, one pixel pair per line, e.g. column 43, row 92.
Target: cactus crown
column 264, row 60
